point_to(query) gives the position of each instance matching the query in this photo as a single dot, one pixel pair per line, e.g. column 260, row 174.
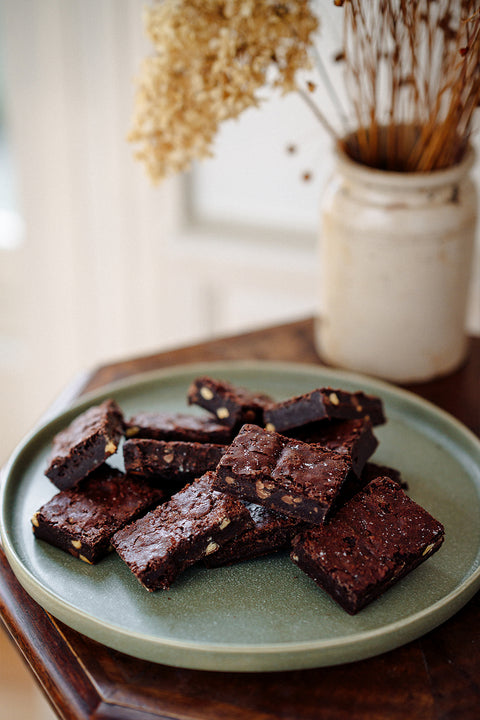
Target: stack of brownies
column 250, row 477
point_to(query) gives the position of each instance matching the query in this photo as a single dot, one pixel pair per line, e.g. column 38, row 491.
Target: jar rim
column 366, row 174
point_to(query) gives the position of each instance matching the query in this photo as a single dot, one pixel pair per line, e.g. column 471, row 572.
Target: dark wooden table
column 435, row 677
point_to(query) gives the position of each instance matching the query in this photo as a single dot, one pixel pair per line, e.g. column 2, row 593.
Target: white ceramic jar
column 396, row 260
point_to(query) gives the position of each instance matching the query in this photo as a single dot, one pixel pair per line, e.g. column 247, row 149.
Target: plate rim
column 439, row 611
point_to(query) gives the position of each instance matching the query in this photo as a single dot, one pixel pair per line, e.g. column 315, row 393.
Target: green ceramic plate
column 263, row 614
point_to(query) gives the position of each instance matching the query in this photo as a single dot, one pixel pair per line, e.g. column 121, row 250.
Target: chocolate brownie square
column 321, row 404
column 85, row 444
column 271, row 532
column 352, row 438
column 294, row 478
column 371, row 471
column 175, row 461
column 177, row 426
column 193, row 524
column 82, row 520
column 232, row 405
column 373, row 541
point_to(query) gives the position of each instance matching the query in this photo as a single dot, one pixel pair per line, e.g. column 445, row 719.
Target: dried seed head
column 209, row 66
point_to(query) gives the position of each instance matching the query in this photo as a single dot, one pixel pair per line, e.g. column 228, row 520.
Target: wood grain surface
column 434, row 678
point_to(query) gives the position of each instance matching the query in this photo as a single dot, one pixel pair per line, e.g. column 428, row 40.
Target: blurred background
column 98, row 265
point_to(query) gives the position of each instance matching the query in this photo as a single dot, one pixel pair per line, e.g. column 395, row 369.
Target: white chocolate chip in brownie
column 76, row 544
column 270, row 427
column 35, row 520
column 84, row 559
column 206, row 393
column 225, row 522
column 222, row 413
column 333, row 397
column 168, row 457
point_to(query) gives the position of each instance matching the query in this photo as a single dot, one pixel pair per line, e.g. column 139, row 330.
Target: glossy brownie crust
column 233, row 406
column 192, row 525
column 82, row 520
column 374, row 540
column 371, row 471
column 321, row 404
column 271, row 533
column 294, row 478
column 177, row 426
column 174, row 461
column 352, row 438
column 85, row 444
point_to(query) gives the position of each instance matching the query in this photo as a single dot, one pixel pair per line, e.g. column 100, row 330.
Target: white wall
column 106, row 270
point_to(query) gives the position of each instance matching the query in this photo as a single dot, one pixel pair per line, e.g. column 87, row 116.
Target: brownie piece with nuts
column 271, row 532
column 233, row 406
column 85, row 444
column 371, row 471
column 82, row 520
column 352, row 438
column 175, row 461
column 193, row 524
column 373, row 541
column 177, row 426
column 300, row 480
column 321, row 404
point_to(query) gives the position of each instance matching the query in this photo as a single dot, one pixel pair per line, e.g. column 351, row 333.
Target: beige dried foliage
column 411, row 77
column 412, row 73
column 211, row 58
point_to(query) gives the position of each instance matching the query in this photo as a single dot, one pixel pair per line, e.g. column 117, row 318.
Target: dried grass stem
column 412, row 71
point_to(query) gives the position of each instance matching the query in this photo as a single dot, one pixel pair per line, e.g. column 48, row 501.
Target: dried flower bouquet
column 411, row 69
column 212, row 57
